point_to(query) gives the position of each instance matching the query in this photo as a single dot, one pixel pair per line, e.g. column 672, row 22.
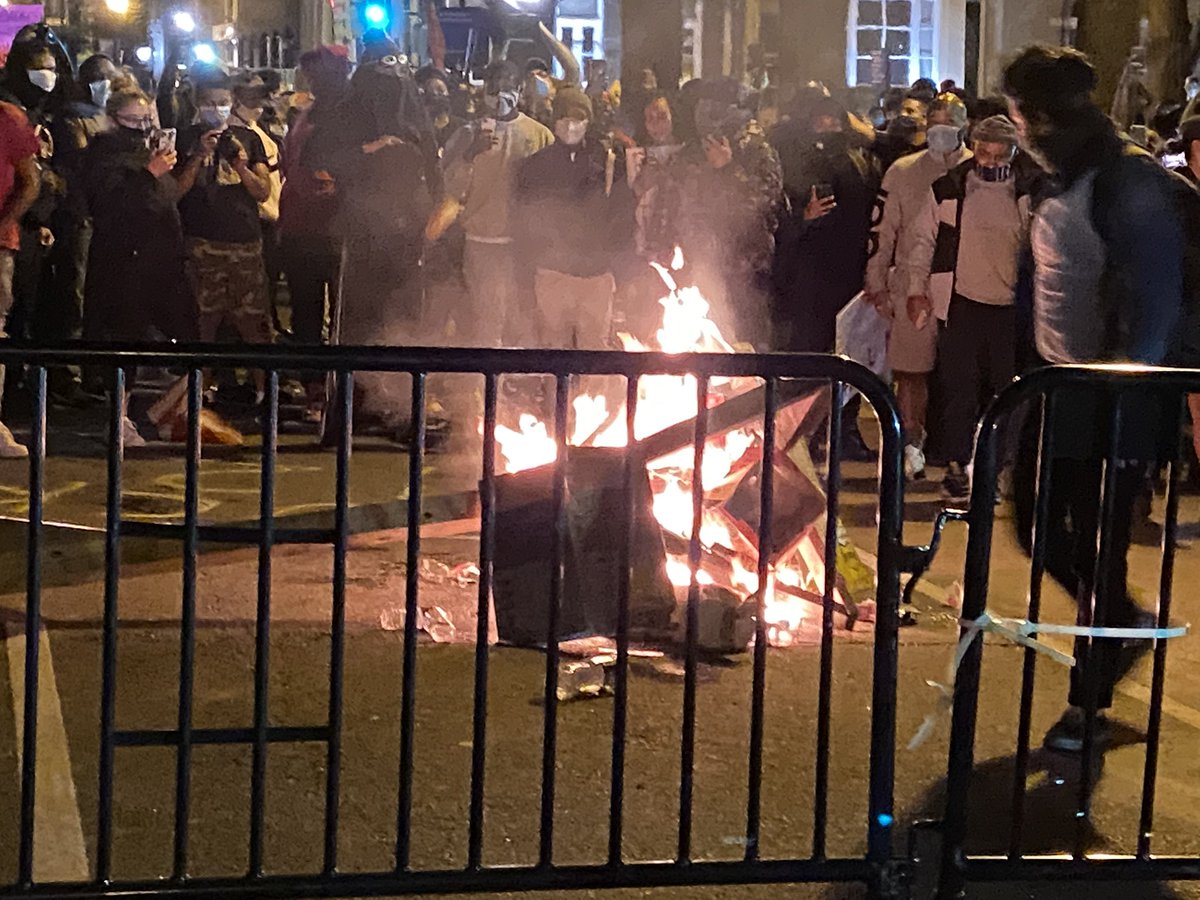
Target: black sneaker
column 956, row 484
column 1066, row 735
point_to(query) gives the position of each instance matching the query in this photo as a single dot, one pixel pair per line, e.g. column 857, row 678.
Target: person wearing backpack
column 1108, row 286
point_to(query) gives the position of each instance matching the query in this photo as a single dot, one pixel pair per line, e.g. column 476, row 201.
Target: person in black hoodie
column 136, row 287
column 823, row 243
column 569, row 200
column 382, row 154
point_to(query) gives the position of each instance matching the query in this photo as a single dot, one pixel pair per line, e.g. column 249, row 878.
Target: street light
column 117, row 7
column 143, row 54
column 184, row 21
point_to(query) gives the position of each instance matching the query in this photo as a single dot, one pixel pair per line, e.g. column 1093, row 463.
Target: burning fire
column 663, row 401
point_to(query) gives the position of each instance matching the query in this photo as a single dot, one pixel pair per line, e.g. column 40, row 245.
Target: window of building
column 892, row 41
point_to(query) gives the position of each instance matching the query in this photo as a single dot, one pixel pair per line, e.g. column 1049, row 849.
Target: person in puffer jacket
column 912, row 347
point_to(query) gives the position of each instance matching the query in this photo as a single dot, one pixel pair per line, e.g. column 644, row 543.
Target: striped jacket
column 935, row 252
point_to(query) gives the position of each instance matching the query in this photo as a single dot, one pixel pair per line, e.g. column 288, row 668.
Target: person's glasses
column 389, row 60
column 139, row 122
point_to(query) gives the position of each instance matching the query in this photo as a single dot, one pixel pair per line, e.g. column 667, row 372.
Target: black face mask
column 905, row 127
column 134, row 138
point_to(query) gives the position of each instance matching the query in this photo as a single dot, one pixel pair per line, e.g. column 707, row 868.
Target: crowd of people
column 378, row 205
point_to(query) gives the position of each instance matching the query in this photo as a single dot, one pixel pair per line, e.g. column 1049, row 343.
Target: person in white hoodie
column 912, row 346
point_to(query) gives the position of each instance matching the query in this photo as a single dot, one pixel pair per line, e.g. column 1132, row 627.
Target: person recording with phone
column 481, row 165
column 136, row 287
column 223, row 176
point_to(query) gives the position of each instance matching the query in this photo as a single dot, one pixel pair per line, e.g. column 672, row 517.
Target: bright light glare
column 376, row 15
column 143, row 54
column 184, row 21
column 205, row 54
column 120, row 7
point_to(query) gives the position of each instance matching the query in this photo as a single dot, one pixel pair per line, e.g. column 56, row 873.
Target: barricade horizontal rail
column 833, row 377
column 1090, row 435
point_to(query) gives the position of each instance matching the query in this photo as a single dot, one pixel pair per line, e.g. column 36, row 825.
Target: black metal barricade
column 876, row 868
column 1117, row 424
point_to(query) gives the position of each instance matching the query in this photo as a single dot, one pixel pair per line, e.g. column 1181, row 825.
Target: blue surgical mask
column 215, row 117
column 100, row 92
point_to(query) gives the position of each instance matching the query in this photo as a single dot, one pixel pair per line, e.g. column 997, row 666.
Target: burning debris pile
column 731, row 473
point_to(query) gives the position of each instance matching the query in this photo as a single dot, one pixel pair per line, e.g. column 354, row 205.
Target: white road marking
column 59, row 850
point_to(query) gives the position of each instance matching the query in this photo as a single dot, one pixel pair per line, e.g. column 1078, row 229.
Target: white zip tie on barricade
column 1021, row 631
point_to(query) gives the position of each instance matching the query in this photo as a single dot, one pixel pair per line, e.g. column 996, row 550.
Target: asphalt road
column 147, row 698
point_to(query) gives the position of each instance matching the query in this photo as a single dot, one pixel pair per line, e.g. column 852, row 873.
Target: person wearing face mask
column 434, row 85
column 309, row 238
column 731, row 189
column 384, row 163
column 223, row 176
column 569, row 220
column 250, row 97
column 137, row 288
column 1111, row 285
column 62, row 302
column 964, row 271
column 823, row 245
column 904, row 133
column 481, row 162
column 912, row 346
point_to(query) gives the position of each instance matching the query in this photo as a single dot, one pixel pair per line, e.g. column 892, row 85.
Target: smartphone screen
column 824, row 190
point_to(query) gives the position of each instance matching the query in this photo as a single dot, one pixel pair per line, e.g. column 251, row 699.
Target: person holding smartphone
column 136, row 287
column 223, row 175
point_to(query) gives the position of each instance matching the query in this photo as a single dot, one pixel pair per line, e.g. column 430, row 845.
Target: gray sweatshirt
column 485, row 184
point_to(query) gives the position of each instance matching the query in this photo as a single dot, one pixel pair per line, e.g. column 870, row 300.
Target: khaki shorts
column 230, row 284
column 911, row 351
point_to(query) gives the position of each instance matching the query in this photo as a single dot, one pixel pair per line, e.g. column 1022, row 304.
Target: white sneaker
column 130, row 435
column 914, row 463
column 9, row 447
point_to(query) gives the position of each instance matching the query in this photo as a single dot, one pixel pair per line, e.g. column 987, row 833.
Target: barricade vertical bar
column 550, row 706
column 33, row 624
column 885, row 660
column 616, row 808
column 1037, row 572
column 976, row 574
column 408, row 697
column 1092, row 655
column 688, row 744
column 262, row 625
column 765, row 552
column 112, row 582
column 487, row 547
column 1165, row 591
column 824, row 697
column 337, row 642
column 187, row 636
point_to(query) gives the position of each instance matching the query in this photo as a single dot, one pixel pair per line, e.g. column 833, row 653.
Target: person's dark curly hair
column 1049, row 80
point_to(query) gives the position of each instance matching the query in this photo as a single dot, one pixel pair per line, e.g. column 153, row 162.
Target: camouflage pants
column 230, row 285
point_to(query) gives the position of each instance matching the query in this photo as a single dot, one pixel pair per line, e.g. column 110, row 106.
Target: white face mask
column 43, row 78
column 100, row 91
column 570, row 131
column 943, row 138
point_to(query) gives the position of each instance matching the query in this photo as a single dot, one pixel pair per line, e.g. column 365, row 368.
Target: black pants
column 311, row 266
column 1071, row 552
column 976, row 358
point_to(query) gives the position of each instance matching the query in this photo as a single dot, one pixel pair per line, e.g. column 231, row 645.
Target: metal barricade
column 876, row 868
column 1117, row 422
